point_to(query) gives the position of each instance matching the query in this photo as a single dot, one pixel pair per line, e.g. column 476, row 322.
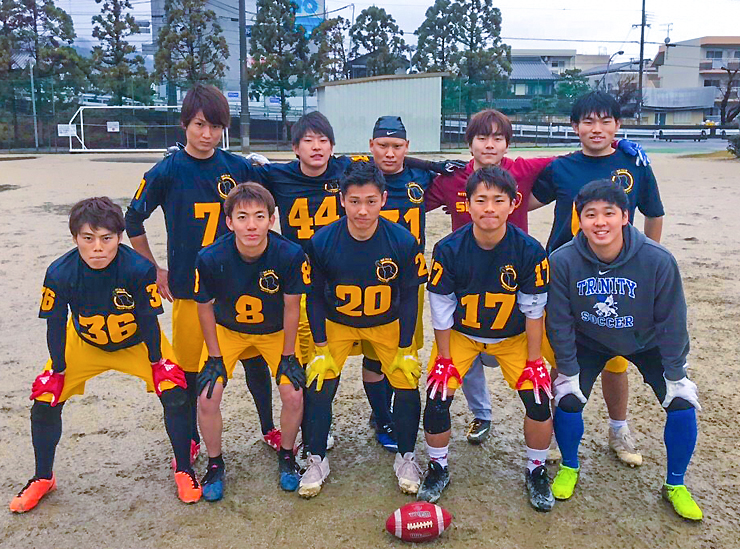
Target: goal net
column 136, row 128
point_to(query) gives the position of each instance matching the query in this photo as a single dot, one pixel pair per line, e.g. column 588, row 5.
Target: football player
column 596, row 119
column 112, row 294
column 366, row 273
column 487, row 291
column 615, row 292
column 488, row 135
column 190, row 186
column 248, row 285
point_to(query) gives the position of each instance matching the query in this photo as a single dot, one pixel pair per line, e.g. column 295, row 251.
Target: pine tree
column 376, row 32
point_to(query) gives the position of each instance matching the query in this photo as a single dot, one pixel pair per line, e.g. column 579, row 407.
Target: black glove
column 207, row 377
column 292, row 369
column 448, row 166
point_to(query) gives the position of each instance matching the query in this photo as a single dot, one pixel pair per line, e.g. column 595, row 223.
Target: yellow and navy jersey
column 487, row 283
column 191, row 193
column 405, row 204
column 306, row 203
column 248, row 297
column 364, row 278
column 106, row 304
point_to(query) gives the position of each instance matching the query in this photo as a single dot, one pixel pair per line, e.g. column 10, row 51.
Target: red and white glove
column 536, row 372
column 441, row 373
column 48, row 382
column 166, row 370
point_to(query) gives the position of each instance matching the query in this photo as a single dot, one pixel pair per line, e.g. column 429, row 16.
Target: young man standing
column 487, row 292
column 190, row 186
column 248, row 285
column 615, row 292
column 366, row 273
column 112, row 294
column 596, row 119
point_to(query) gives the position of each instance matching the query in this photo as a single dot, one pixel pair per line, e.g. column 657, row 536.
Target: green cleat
column 565, row 482
column 682, row 502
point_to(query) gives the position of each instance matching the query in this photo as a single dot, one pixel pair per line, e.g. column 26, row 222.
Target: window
column 683, row 117
column 737, row 54
column 710, row 83
column 714, row 54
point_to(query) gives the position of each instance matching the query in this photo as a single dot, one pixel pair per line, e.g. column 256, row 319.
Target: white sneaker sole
column 408, row 486
column 309, row 491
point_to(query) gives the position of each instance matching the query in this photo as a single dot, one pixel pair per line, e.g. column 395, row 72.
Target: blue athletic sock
column 568, row 432
column 680, row 440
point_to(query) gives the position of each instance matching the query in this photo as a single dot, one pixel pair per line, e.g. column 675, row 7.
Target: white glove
column 567, row 385
column 683, row 388
column 258, row 159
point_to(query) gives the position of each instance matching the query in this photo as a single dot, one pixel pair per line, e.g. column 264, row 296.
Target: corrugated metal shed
column 352, row 106
column 530, row 70
column 679, row 98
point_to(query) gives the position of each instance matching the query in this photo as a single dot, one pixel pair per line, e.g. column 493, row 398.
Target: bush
column 733, row 145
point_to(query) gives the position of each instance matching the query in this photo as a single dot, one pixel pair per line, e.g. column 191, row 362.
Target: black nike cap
column 389, row 126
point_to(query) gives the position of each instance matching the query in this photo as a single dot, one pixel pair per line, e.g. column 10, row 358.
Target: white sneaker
column 623, row 444
column 408, row 472
column 314, row 477
column 553, row 453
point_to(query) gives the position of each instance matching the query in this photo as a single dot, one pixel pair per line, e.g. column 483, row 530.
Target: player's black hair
column 484, row 122
column 99, row 212
column 312, row 122
column 362, row 173
column 604, row 190
column 246, row 193
column 491, row 177
column 210, row 101
column 596, row 102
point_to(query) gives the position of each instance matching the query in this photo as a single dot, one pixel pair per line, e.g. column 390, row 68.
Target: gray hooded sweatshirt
column 632, row 304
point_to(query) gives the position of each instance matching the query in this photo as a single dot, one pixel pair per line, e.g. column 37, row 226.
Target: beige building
column 558, row 61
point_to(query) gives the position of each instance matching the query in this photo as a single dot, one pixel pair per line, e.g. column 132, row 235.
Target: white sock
column 438, row 454
column 617, row 424
column 535, row 458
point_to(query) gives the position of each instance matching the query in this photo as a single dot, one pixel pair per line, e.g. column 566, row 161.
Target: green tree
column 190, row 46
column 280, row 52
column 436, row 45
column 329, row 62
column 484, row 61
column 376, row 32
column 571, row 86
column 115, row 67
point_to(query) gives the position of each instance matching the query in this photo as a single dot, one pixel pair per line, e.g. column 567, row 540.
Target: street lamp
column 608, row 63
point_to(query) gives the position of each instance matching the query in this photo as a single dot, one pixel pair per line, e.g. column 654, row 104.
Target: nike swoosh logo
column 604, row 272
column 390, row 133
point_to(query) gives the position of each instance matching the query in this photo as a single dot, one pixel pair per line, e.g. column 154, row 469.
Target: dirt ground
column 115, row 483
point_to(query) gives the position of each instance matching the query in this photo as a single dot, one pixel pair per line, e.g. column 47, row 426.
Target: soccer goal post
column 127, row 128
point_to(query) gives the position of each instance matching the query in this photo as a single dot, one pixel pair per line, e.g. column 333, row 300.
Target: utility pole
column 31, row 64
column 243, row 78
column 642, row 65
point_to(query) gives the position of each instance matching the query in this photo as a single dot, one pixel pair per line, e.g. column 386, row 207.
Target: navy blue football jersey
column 486, row 282
column 105, row 303
column 405, row 204
column 248, row 297
column 364, row 278
column 306, row 203
column 563, row 178
column 191, row 193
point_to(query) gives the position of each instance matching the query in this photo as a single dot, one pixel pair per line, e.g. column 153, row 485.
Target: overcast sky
column 590, row 27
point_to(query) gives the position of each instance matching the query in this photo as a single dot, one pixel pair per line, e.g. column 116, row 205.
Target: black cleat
column 538, row 489
column 478, row 431
column 435, row 481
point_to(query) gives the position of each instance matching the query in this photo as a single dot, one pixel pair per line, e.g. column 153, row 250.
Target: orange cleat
column 29, row 497
column 188, row 488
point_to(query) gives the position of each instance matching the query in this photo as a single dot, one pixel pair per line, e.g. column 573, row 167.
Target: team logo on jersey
column 225, row 184
column 386, row 270
column 624, row 178
column 269, row 282
column 606, row 308
column 332, row 186
column 415, row 193
column 123, row 300
column 508, row 278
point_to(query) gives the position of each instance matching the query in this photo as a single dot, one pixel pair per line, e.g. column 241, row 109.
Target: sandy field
column 115, row 483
